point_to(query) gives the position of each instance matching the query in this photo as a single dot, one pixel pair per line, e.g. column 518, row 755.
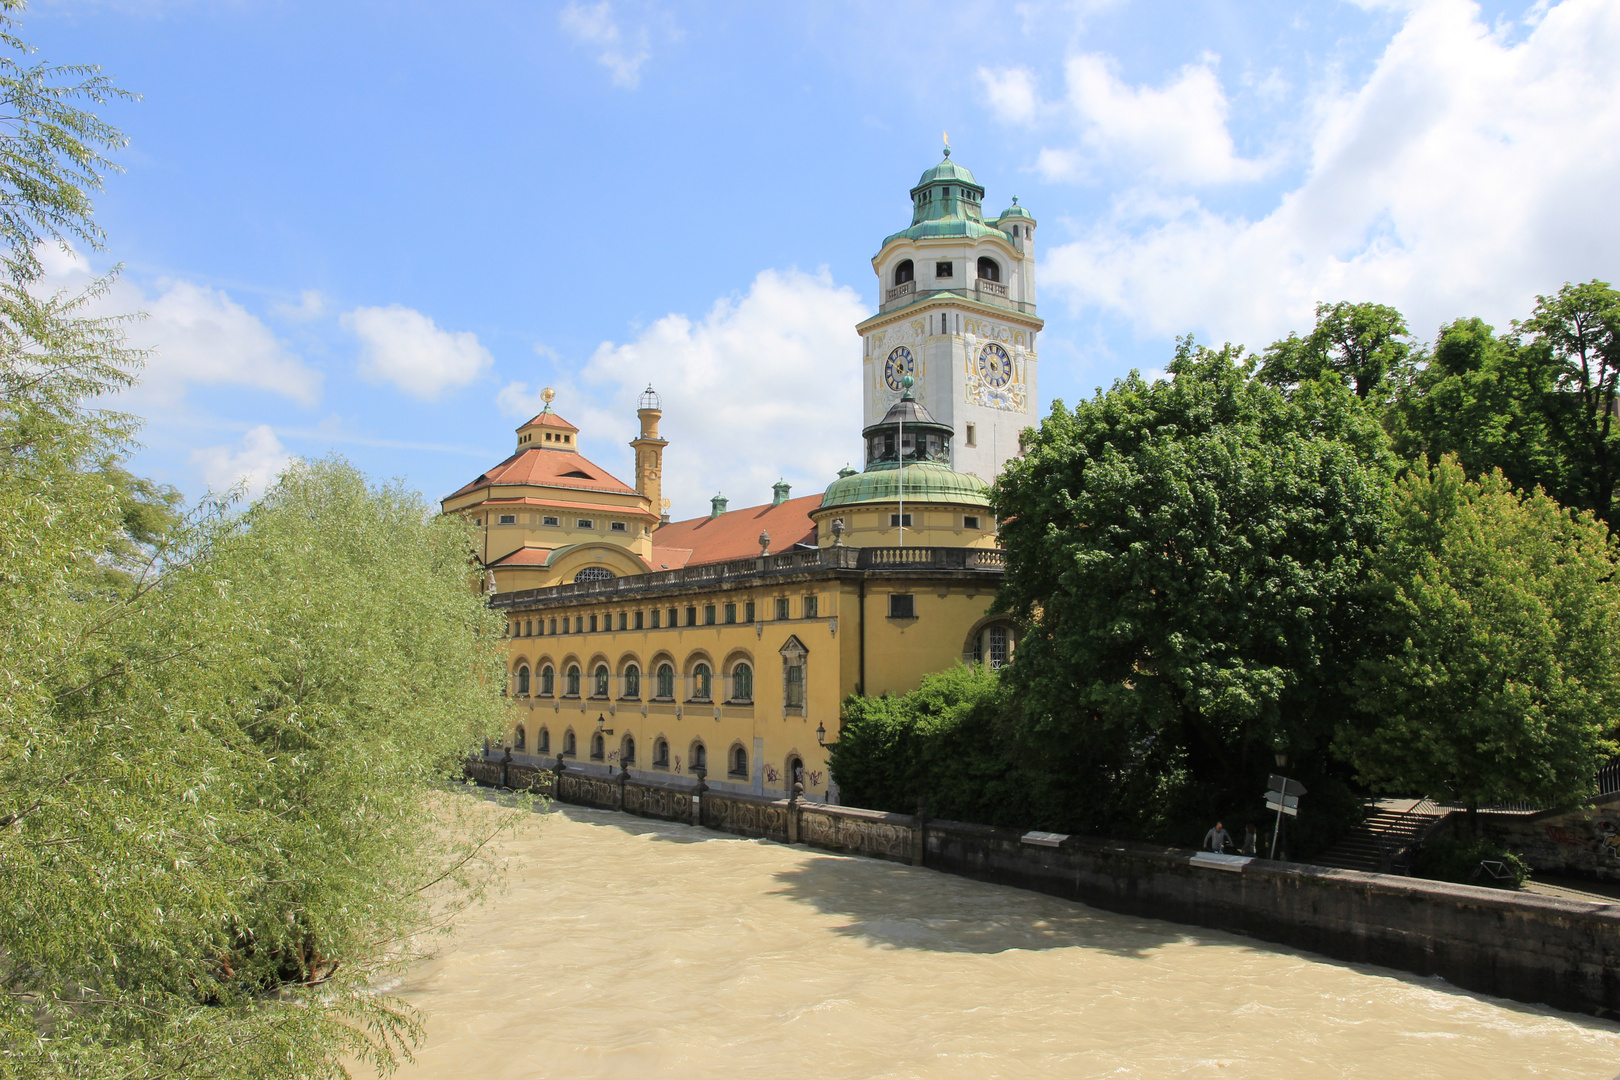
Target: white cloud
column 622, row 54
column 200, row 335
column 764, row 386
column 193, row 334
column 1474, row 168
column 403, row 346
column 518, row 401
column 311, row 305
column 259, row 459
column 1012, row 93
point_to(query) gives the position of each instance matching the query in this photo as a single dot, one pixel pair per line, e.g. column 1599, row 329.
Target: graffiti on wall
column 1606, row 843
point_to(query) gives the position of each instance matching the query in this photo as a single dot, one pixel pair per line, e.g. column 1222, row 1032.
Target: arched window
column 548, row 681
column 632, row 682
column 594, row 573
column 700, row 682
column 666, row 681
column 627, row 750
column 523, row 682
column 599, row 681
column 742, row 683
column 904, row 272
column 571, row 683
column 570, row 748
column 519, row 739
column 660, row 754
column 542, row 742
column 598, row 747
column 989, row 269
column 739, row 761
column 699, row 756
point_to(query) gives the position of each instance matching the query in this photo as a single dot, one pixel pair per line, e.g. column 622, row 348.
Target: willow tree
column 219, row 731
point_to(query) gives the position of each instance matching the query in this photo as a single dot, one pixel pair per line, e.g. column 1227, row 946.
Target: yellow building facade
column 726, row 644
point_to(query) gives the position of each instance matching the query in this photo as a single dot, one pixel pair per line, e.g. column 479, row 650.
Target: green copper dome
column 925, row 482
column 947, row 170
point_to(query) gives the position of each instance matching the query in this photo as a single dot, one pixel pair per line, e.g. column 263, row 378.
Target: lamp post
column 821, row 734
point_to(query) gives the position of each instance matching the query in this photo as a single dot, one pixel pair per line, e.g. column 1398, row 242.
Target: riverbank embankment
column 1536, row 949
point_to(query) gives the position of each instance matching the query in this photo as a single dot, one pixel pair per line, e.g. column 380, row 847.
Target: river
column 637, row 949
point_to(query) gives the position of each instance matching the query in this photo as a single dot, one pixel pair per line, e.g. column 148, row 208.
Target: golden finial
column 947, row 143
column 663, row 504
column 546, row 395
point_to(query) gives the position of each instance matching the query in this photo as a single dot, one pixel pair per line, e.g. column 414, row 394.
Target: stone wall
column 1529, row 948
column 1579, row 842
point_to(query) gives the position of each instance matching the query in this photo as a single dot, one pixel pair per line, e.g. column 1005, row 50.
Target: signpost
column 1282, row 795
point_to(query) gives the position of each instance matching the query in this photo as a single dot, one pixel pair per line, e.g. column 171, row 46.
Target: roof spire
column 546, row 395
column 947, row 143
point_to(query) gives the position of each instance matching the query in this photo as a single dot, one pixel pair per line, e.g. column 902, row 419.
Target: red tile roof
column 664, row 558
column 548, row 468
column 735, row 534
column 549, row 419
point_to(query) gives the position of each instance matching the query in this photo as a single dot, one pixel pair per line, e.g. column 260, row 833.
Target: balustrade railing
column 905, row 288
column 828, row 558
column 992, row 288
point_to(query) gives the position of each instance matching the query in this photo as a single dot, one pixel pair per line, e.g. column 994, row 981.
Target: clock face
column 898, row 366
column 995, row 366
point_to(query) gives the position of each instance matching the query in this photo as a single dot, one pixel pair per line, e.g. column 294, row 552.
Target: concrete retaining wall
column 1580, row 842
column 1529, row 948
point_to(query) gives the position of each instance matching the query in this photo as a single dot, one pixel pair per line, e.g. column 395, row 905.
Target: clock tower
column 957, row 314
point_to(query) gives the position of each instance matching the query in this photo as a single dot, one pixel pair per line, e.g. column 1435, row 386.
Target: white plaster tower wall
column 966, row 330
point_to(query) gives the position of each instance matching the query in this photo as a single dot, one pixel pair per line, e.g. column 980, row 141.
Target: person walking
column 1217, row 839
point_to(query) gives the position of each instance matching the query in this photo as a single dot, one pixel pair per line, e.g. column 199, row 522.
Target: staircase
column 1379, row 843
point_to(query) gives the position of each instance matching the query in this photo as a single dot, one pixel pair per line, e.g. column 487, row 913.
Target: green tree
column 1503, row 612
column 219, row 733
column 1187, row 558
column 1359, row 343
column 1538, row 403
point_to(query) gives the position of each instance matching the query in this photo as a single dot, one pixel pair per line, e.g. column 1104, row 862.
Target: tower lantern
column 650, row 448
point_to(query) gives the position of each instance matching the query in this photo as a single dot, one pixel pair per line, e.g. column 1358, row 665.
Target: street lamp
column 821, row 734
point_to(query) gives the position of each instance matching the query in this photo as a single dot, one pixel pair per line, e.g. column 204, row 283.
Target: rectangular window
column 810, row 607
column 943, row 269
column 748, row 611
column 553, row 626
column 899, row 519
column 793, row 688
column 526, row 629
column 972, row 435
column 708, row 614
column 618, row 526
column 731, row 614
column 782, row 607
column 970, row 521
column 691, row 616
column 508, row 519
column 656, row 613
column 672, row 623
column 579, row 624
column 593, row 624
column 547, row 519
column 638, row 618
column 901, row 607
column 584, row 523
column 998, row 646
column 624, row 620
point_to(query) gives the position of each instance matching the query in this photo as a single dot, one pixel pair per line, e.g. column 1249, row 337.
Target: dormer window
column 904, row 272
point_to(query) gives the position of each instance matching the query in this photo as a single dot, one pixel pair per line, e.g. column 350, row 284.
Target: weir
column 1542, row 950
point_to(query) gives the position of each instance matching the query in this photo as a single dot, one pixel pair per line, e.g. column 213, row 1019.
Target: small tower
column 650, row 448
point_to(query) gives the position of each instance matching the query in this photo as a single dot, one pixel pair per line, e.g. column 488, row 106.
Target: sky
column 380, row 229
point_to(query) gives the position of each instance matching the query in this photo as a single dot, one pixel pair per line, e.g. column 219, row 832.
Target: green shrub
column 1454, row 859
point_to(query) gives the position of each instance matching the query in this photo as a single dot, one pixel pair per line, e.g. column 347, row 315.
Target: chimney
column 717, row 506
column 780, row 491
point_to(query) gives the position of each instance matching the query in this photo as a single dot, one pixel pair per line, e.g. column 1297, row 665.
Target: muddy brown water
column 629, row 948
